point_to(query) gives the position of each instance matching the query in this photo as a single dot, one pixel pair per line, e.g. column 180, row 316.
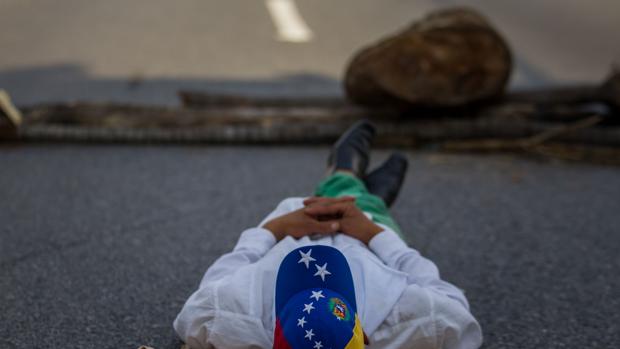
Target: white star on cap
column 306, row 258
column 322, row 271
column 318, row 345
column 309, row 334
column 308, row 307
column 301, row 322
column 317, row 295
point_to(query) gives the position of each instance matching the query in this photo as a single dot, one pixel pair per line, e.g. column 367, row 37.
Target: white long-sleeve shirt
column 402, row 302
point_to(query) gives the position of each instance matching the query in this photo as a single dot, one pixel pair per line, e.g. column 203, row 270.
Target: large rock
column 449, row 58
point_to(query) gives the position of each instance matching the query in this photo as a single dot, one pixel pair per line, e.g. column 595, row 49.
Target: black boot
column 385, row 181
column 350, row 152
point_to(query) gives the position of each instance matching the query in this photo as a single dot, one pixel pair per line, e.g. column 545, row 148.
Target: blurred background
column 144, row 51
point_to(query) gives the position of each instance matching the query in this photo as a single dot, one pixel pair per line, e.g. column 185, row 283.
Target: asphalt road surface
column 101, row 245
column 145, row 50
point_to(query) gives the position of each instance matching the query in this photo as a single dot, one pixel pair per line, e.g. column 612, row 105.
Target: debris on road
column 449, row 58
column 10, row 118
column 439, row 83
column 555, row 122
column 305, row 124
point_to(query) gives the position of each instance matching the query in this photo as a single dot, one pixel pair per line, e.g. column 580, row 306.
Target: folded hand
column 353, row 221
column 299, row 224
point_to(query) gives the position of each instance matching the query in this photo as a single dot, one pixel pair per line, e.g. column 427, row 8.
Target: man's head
column 315, row 301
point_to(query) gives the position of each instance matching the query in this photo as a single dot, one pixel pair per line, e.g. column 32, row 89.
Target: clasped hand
column 321, row 215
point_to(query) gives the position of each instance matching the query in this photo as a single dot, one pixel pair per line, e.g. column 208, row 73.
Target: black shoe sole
column 351, row 150
column 386, row 180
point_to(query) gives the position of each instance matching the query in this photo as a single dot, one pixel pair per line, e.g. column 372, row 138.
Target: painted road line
column 289, row 23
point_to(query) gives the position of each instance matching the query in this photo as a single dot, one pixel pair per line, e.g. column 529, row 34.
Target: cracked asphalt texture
column 101, row 245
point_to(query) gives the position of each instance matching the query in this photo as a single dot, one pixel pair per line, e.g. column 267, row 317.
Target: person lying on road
column 330, row 272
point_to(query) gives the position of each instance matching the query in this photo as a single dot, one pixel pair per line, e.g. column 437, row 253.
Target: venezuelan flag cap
column 315, row 301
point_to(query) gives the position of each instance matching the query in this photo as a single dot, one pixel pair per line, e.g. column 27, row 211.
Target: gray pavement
column 101, row 245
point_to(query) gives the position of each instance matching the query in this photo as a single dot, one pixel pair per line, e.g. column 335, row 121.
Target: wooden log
column 565, row 103
column 570, row 98
column 564, row 95
column 291, row 124
column 450, row 134
column 10, row 118
column 199, row 99
column 558, row 150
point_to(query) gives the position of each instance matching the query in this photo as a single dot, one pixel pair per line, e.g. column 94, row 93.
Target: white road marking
column 289, row 23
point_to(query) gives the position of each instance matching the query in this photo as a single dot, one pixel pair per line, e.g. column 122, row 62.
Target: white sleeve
column 430, row 312
column 252, row 245
column 217, row 314
column 206, row 318
column 395, row 253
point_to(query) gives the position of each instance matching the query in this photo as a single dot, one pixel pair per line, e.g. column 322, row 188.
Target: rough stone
column 449, row 58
